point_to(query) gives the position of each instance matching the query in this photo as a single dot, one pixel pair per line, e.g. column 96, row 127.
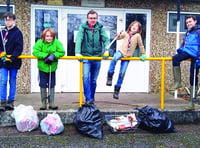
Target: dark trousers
column 44, row 79
column 178, row 58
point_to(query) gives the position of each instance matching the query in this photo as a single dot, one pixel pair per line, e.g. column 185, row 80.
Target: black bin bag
column 151, row 119
column 89, row 121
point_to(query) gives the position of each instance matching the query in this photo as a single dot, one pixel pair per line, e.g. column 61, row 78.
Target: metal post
column 162, row 91
column 81, row 85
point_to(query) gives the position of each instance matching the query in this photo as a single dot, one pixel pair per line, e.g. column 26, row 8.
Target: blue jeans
column 178, row 58
column 12, row 81
column 90, row 73
column 124, row 64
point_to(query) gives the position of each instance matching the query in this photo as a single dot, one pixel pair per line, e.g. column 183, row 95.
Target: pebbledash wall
column 163, row 44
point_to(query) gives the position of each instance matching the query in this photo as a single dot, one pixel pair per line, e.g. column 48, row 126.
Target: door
column 68, row 20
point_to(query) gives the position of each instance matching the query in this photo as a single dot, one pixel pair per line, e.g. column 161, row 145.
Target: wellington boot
column 2, row 106
column 109, row 79
column 43, row 92
column 116, row 92
column 51, row 100
column 177, row 78
column 191, row 105
column 10, row 105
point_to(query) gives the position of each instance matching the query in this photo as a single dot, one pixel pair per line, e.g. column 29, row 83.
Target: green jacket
column 42, row 49
column 89, row 44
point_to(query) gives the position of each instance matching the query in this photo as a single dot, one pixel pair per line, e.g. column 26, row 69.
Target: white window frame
column 13, row 10
column 181, row 21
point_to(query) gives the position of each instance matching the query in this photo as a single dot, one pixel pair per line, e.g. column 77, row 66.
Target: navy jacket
column 14, row 47
column 191, row 42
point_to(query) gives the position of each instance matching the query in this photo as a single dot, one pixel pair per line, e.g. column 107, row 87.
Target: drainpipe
column 8, row 5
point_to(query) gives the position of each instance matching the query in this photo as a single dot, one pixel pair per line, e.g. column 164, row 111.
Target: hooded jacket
column 13, row 46
column 135, row 40
column 88, row 43
column 42, row 49
column 191, row 42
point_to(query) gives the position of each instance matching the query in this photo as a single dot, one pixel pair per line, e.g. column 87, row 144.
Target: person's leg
column 118, row 55
column 86, row 79
column 176, row 60
column 123, row 68
column 111, row 69
column 3, row 88
column 52, row 91
column 12, row 92
column 94, row 75
column 43, row 81
column 193, row 87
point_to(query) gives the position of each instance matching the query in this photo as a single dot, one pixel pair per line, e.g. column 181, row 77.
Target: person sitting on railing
column 190, row 48
column 132, row 38
column 89, row 41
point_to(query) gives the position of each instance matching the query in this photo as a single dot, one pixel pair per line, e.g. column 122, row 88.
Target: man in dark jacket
column 11, row 46
column 89, row 41
column 189, row 49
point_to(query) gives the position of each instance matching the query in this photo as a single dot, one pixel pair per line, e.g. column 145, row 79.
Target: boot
column 109, row 79
column 3, row 105
column 43, row 92
column 177, row 78
column 51, row 100
column 116, row 92
column 191, row 105
column 9, row 105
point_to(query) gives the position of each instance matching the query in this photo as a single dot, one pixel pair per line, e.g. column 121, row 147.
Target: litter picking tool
column 194, row 81
column 49, row 93
column 3, row 42
column 114, row 40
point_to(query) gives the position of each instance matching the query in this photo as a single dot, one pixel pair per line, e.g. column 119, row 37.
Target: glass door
column 66, row 22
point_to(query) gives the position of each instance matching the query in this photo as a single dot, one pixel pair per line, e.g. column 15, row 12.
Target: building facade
column 158, row 17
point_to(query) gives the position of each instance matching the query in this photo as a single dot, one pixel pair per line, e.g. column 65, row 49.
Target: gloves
column 143, row 57
column 2, row 54
column 80, row 57
column 106, row 55
column 50, row 59
column 6, row 59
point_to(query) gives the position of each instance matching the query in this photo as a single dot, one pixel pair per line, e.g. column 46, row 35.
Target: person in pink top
column 131, row 38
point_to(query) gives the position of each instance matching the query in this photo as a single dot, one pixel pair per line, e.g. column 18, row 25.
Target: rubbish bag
column 26, row 118
column 52, row 124
column 89, row 121
column 151, row 119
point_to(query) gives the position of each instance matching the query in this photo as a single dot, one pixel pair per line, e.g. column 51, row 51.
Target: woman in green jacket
column 48, row 49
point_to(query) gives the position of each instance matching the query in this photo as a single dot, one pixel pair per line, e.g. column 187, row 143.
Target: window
column 172, row 18
column 3, row 9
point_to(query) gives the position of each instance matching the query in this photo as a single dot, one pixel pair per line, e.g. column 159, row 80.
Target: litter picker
column 3, row 42
column 194, row 83
column 113, row 40
column 49, row 93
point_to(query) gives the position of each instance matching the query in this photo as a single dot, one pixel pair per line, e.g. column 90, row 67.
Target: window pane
column 130, row 17
column 75, row 20
column 3, row 9
column 45, row 19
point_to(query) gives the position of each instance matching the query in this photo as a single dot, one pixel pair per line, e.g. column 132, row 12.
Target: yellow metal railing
column 162, row 59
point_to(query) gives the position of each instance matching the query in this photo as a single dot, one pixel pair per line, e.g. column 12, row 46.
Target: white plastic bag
column 26, row 118
column 52, row 124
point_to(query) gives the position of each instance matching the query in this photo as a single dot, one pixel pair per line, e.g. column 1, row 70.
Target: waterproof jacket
column 42, row 49
column 191, row 42
column 13, row 46
column 135, row 40
column 88, row 43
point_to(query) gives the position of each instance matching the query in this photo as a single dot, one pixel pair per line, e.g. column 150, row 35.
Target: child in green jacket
column 48, row 50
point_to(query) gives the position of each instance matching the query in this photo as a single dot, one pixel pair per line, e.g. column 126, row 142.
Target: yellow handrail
column 162, row 59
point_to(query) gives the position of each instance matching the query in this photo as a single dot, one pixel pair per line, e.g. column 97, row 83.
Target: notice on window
column 93, row 3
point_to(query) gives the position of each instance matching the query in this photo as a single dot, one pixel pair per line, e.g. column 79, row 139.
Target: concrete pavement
column 68, row 104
